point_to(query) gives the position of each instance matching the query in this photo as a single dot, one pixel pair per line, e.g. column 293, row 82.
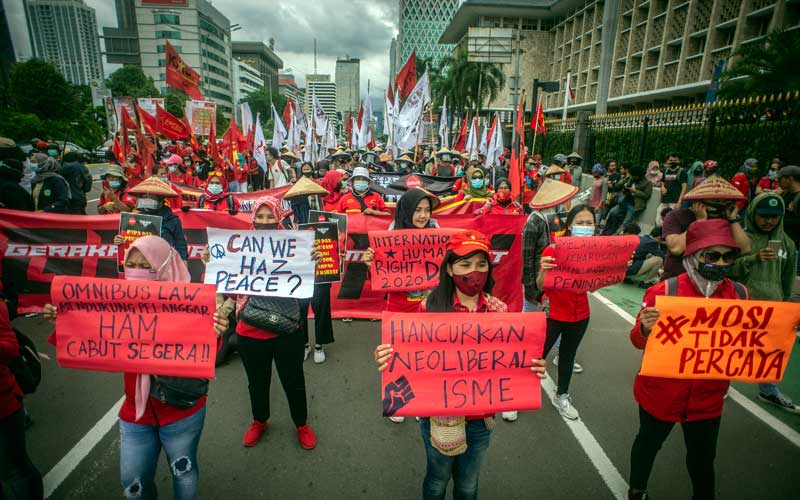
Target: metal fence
column 727, row 131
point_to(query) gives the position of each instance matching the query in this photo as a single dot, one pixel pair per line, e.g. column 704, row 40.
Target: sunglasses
column 712, row 256
column 477, row 177
column 215, row 174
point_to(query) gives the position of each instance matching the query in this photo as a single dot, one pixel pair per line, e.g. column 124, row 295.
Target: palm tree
column 766, row 67
column 468, row 85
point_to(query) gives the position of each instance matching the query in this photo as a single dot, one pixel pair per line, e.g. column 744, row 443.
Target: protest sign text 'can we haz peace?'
column 267, row 262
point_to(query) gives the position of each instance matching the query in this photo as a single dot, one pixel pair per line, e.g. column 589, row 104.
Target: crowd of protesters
column 707, row 231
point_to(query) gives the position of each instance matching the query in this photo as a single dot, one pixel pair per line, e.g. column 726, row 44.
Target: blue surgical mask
column 35, row 168
column 215, row 188
column 772, row 174
column 114, row 184
column 582, row 231
column 172, row 168
column 165, row 179
column 476, row 183
column 360, row 186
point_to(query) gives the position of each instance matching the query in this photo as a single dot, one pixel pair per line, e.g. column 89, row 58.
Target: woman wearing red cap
column 465, row 283
column 696, row 404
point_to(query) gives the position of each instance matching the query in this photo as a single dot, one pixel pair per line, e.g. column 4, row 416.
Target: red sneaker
column 306, row 436
column 254, row 433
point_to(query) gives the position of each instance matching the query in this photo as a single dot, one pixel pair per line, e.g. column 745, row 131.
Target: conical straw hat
column 714, row 188
column 155, row 186
column 552, row 193
column 304, row 187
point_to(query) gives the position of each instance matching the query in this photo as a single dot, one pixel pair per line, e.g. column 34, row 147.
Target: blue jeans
column 463, row 468
column 769, row 389
column 140, row 446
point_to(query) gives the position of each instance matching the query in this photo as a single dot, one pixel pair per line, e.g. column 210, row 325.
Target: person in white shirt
column 280, row 173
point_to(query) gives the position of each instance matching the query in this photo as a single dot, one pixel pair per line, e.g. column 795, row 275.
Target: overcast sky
column 358, row 28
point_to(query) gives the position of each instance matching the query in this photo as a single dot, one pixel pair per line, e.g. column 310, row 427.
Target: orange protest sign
column 719, row 339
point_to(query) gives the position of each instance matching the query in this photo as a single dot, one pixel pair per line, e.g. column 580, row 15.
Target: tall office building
column 288, row 87
column 199, row 32
column 421, row 24
column 64, row 32
column 263, row 58
column 348, row 85
column 246, row 80
column 393, row 59
column 325, row 90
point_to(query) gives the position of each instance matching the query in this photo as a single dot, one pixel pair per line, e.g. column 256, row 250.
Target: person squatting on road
column 147, row 423
column 456, row 446
column 711, row 251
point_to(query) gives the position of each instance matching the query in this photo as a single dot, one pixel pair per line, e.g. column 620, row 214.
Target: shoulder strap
column 229, row 200
column 671, row 286
column 201, row 200
column 741, row 290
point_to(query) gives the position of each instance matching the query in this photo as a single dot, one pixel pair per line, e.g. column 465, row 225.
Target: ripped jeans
column 140, row 447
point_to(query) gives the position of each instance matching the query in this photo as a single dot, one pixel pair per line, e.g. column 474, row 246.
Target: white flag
column 260, row 146
column 484, row 141
column 247, row 117
column 388, row 114
column 330, row 140
column 365, row 132
column 292, row 138
column 495, row 148
column 310, row 154
column 472, row 140
column 299, row 116
column 443, row 136
column 408, row 120
column 320, row 118
column 278, row 130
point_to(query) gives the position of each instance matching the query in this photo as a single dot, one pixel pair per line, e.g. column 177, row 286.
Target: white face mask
column 146, row 204
column 582, row 231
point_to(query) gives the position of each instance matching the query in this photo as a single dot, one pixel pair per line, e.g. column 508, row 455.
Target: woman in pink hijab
column 146, row 423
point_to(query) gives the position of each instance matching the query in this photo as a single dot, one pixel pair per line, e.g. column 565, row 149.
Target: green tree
column 461, row 80
column 131, row 81
column 175, row 102
column 259, row 102
column 768, row 66
column 37, row 87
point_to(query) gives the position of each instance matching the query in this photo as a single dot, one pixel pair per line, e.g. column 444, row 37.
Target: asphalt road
column 361, row 455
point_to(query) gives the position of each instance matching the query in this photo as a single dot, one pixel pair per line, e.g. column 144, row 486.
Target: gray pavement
column 361, row 455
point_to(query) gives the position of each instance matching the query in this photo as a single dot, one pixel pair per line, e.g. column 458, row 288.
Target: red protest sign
column 132, row 227
column 588, row 263
column 408, row 259
column 154, row 327
column 721, row 339
column 461, row 364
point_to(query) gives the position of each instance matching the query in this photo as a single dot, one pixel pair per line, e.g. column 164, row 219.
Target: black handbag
column 180, row 392
column 278, row 315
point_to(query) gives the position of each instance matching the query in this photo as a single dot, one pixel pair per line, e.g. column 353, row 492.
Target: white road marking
column 605, row 467
column 62, row 470
column 96, row 199
column 760, row 413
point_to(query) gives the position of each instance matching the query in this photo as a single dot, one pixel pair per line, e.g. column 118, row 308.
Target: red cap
column 708, row 233
column 709, row 164
column 465, row 242
column 41, row 145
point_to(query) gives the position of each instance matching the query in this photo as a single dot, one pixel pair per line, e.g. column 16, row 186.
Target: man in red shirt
column 361, row 198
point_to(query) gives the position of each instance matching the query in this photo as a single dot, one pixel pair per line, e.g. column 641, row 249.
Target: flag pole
column 536, row 126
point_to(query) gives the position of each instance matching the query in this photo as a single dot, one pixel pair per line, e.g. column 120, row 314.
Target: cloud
column 359, row 28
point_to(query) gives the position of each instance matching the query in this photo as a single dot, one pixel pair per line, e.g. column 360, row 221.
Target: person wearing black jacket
column 12, row 195
column 74, row 171
column 648, row 257
column 51, row 192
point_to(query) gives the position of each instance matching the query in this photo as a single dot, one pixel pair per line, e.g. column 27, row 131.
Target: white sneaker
column 319, row 355
column 509, row 416
column 347, row 320
column 397, row 420
column 306, row 352
column 576, row 368
column 564, row 405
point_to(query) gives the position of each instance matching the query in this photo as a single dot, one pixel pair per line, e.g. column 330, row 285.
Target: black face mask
column 714, row 272
column 262, row 225
column 716, row 211
column 308, row 174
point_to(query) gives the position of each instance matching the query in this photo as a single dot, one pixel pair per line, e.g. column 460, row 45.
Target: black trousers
column 571, row 335
column 256, row 181
column 700, row 438
column 18, row 475
column 287, row 353
column 323, row 324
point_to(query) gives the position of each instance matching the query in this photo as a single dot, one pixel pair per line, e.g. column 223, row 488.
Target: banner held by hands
column 588, row 263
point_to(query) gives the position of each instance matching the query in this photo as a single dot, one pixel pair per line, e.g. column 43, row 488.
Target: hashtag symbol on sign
column 671, row 329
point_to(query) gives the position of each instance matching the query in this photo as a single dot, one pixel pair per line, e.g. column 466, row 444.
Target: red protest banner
column 456, row 364
column 588, row 263
column 719, row 339
column 408, row 259
column 154, row 327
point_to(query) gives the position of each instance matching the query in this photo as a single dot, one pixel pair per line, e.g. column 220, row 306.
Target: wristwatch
column 733, row 221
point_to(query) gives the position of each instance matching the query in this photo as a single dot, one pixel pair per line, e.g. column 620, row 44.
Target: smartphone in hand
column 774, row 245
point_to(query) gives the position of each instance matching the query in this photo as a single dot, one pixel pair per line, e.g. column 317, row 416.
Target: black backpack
column 27, row 368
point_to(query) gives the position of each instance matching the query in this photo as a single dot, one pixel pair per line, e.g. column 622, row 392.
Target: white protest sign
column 273, row 263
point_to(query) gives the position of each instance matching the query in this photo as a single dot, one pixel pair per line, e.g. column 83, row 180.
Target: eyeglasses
column 712, row 256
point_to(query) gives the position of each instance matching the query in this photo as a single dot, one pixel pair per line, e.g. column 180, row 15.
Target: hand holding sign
column 271, row 263
column 588, row 263
column 720, row 339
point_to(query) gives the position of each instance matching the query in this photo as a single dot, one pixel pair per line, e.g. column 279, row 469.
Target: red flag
column 181, row 76
column 407, row 77
column 515, row 176
column 213, row 151
column 119, row 154
column 124, row 122
column 287, row 113
column 148, row 121
column 251, row 138
column 461, row 142
column 230, row 142
column 390, row 93
column 348, row 128
column 146, row 149
column 537, row 123
column 169, row 125
column 192, row 139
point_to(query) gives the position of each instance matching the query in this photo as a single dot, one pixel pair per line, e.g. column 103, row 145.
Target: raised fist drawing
column 396, row 395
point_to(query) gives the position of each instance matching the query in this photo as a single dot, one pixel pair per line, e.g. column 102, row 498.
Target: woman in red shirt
column 216, row 195
column 146, row 423
column 465, row 283
column 569, row 312
column 332, row 182
column 413, row 211
column 501, row 203
column 260, row 348
column 695, row 404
